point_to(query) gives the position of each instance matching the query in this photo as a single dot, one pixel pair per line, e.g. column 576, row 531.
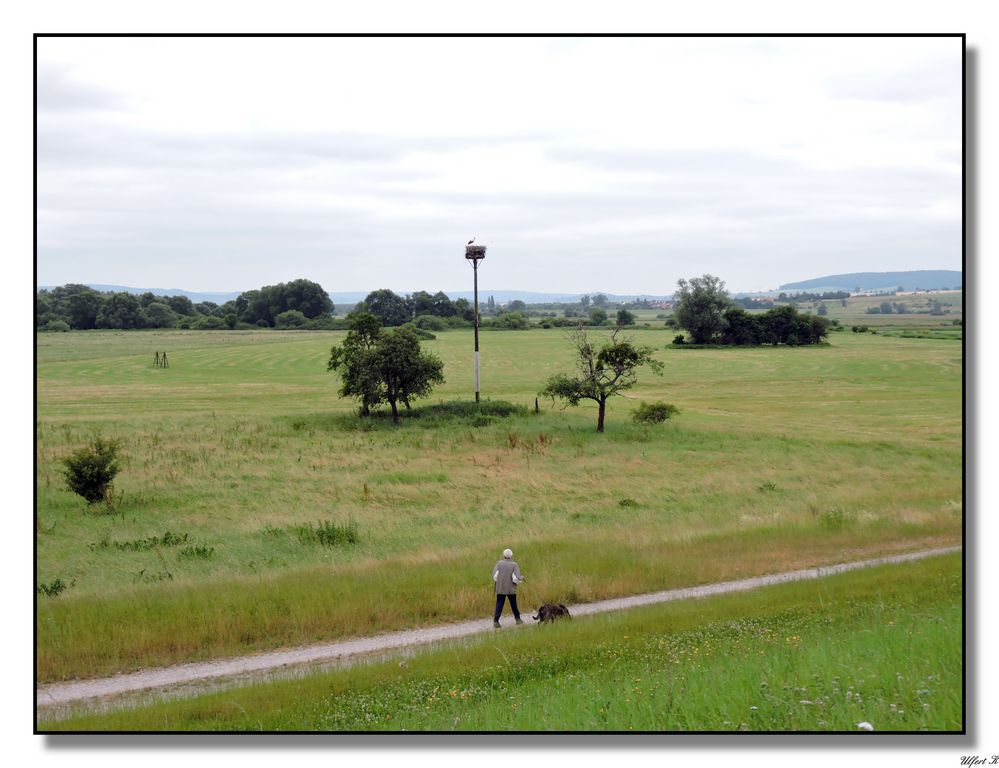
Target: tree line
column 79, row 307
column 296, row 304
column 704, row 308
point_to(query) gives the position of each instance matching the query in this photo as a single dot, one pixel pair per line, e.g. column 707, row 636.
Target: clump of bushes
column 421, row 333
column 654, row 413
column 508, row 321
column 431, row 323
column 90, row 471
column 290, row 319
column 57, row 326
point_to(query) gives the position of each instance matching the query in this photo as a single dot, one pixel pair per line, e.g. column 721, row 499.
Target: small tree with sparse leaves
column 600, row 373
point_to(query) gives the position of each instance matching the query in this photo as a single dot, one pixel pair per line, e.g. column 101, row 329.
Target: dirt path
column 184, row 679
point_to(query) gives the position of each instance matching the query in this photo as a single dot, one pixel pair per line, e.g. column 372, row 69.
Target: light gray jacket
column 506, row 574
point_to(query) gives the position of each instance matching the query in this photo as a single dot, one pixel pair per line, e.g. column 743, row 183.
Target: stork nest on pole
column 475, row 251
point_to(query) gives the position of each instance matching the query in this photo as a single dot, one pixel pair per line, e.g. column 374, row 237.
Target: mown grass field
column 880, row 646
column 780, row 458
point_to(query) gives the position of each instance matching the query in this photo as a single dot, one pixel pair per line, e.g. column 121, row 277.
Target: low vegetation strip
column 879, row 646
column 63, row 693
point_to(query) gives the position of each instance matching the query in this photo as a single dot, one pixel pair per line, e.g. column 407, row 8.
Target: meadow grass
column 881, row 646
column 780, row 458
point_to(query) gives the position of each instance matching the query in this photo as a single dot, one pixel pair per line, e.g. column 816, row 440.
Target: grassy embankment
column 781, row 458
column 881, row 646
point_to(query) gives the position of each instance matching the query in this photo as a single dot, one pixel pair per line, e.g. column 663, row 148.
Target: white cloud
column 229, row 163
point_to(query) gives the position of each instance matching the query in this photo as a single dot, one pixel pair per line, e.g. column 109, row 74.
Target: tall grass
column 172, row 622
column 881, row 646
column 857, row 444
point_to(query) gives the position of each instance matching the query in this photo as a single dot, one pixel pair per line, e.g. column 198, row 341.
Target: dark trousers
column 499, row 606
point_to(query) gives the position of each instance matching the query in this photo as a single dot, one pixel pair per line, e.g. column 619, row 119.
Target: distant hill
column 924, row 279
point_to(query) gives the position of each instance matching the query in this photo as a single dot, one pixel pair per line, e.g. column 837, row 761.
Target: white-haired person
column 506, row 576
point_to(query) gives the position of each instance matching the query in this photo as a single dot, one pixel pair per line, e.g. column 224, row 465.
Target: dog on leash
column 549, row 612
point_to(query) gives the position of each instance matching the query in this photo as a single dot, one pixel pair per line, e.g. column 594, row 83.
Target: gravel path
column 61, row 695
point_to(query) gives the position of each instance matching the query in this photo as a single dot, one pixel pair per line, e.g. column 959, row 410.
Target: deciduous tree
column 700, row 306
column 600, row 373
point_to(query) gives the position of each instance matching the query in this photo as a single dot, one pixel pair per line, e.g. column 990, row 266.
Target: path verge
column 61, row 695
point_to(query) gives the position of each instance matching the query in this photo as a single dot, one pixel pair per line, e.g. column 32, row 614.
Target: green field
column 881, row 646
column 780, row 458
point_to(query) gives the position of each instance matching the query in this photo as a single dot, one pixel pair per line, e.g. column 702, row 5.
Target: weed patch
column 436, row 416
column 327, row 533
column 54, row 587
column 141, row 545
column 197, row 552
column 151, row 577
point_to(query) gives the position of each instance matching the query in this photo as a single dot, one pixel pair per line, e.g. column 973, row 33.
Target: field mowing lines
column 58, row 696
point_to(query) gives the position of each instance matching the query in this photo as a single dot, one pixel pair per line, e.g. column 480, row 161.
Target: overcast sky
column 591, row 164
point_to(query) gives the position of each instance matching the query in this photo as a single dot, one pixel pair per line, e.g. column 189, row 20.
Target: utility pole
column 475, row 254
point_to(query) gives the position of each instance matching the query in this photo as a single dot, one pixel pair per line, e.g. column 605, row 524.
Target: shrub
column 90, row 471
column 597, row 316
column 290, row 319
column 421, row 334
column 431, row 323
column 654, row 413
column 624, row 317
column 679, row 339
column 510, row 321
column 59, row 326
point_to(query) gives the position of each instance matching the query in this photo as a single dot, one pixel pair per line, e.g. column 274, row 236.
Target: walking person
column 507, row 576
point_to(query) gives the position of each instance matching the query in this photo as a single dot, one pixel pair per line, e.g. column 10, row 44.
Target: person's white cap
column 508, row 553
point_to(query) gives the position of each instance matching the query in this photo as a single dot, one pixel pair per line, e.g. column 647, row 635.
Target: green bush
column 679, row 339
column 431, row 323
column 421, row 334
column 290, row 319
column 90, row 471
column 509, row 321
column 654, row 413
column 57, row 325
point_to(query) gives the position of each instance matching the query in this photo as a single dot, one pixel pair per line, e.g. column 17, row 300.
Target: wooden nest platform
column 475, row 251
